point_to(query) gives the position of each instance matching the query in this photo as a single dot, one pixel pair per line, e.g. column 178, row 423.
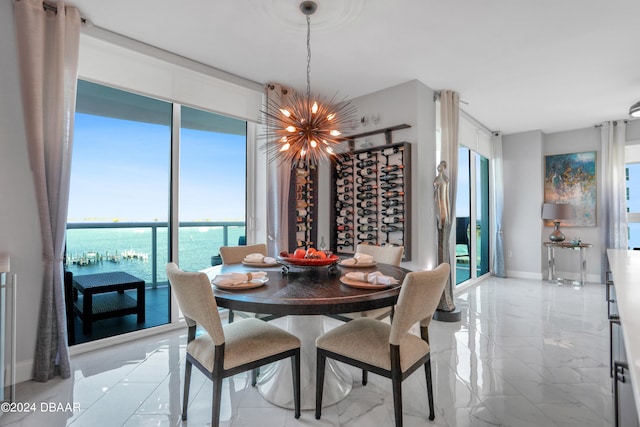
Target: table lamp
column 556, row 212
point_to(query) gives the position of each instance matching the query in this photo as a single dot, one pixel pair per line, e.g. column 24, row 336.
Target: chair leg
column 187, row 383
column 396, row 386
column 217, row 397
column 230, row 319
column 295, row 371
column 427, row 370
column 365, row 377
column 320, row 362
column 254, row 377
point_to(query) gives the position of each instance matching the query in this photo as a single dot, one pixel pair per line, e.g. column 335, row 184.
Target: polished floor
column 527, row 353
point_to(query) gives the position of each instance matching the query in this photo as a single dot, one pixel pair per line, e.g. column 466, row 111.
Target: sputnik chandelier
column 304, row 131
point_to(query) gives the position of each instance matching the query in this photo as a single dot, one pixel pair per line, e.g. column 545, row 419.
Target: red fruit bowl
column 310, row 262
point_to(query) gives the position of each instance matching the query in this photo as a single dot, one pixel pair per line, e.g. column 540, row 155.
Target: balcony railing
column 102, row 247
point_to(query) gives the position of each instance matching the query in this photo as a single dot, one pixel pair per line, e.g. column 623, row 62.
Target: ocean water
column 131, row 250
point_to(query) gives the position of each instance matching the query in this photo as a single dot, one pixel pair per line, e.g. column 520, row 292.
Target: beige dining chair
column 226, row 350
column 235, row 255
column 388, row 350
column 383, row 254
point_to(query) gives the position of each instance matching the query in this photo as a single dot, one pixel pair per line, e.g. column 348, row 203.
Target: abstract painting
column 571, row 178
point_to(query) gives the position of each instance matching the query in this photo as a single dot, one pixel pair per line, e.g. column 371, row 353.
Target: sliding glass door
column 472, row 216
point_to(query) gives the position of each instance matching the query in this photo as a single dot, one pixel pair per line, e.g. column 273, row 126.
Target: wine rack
column 371, row 198
column 303, row 207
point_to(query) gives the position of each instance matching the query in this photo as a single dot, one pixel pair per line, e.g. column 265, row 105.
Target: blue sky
column 120, row 171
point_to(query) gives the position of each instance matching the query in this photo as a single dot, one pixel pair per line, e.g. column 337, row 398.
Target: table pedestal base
column 275, row 381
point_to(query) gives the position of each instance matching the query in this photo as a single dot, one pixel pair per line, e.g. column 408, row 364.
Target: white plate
column 362, row 285
column 358, row 265
column 259, row 264
column 255, row 283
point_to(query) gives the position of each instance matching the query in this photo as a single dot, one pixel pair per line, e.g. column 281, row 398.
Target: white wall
column 19, row 223
column 522, row 226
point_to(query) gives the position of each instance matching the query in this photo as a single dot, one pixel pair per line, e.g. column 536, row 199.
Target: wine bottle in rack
column 365, row 163
column 364, row 179
column 303, row 227
column 366, row 220
column 387, row 185
column 366, row 171
column 343, row 244
column 344, row 174
column 344, row 227
column 342, row 220
column 366, row 196
column 345, row 212
column 345, row 235
column 366, row 236
column 391, row 168
column 390, row 176
column 366, row 204
column 390, row 228
column 365, row 212
column 344, row 189
column 344, row 197
column 364, row 156
column 393, row 211
column 301, row 212
column 367, row 187
column 367, row 228
column 343, row 205
column 391, row 151
column 391, row 202
column 300, row 204
column 344, row 181
column 392, row 193
column 392, row 219
column 344, row 168
column 303, row 243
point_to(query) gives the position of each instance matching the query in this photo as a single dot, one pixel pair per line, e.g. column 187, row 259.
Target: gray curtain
column 450, row 121
column 498, row 204
column 48, row 44
column 613, row 198
column 279, row 176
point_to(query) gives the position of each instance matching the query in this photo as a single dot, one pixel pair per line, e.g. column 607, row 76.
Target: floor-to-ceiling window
column 213, row 152
column 472, row 216
column 119, row 200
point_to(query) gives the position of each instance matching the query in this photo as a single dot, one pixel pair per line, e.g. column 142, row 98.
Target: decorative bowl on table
column 308, row 262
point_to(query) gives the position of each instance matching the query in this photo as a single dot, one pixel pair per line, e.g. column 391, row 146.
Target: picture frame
column 572, row 178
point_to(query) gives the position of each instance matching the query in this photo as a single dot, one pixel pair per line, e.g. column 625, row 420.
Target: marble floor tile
column 526, row 353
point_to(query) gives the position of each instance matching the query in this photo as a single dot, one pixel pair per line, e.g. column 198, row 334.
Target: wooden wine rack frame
column 346, row 220
column 303, row 207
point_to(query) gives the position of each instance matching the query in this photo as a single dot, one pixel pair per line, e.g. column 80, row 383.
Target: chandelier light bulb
column 331, row 116
column 290, row 129
column 313, row 143
column 286, row 113
column 335, row 133
column 314, row 108
column 285, row 147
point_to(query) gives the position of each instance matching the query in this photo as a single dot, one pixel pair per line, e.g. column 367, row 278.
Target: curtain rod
column 54, row 8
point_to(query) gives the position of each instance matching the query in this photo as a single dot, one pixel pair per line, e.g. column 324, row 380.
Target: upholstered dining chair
column 235, row 255
column 389, row 350
column 225, row 350
column 385, row 255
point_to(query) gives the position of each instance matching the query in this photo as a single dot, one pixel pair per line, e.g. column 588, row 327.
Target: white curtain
column 450, row 125
column 279, row 176
column 48, row 43
column 498, row 266
column 614, row 199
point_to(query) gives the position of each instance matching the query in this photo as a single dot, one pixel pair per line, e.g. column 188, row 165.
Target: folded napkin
column 237, row 278
column 358, row 259
column 255, row 258
column 375, row 278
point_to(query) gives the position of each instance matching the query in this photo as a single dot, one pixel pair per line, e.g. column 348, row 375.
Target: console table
column 551, row 258
column 103, row 297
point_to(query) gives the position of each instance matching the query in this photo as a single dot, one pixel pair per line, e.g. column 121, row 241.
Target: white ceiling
column 518, row 65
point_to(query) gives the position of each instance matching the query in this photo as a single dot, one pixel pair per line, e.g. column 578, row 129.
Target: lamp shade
column 557, row 211
column 634, row 111
column 4, row 262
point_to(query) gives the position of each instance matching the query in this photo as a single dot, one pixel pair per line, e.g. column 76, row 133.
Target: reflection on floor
column 156, row 313
column 527, row 353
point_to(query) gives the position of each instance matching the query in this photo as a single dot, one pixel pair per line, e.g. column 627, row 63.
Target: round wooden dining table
column 305, row 295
